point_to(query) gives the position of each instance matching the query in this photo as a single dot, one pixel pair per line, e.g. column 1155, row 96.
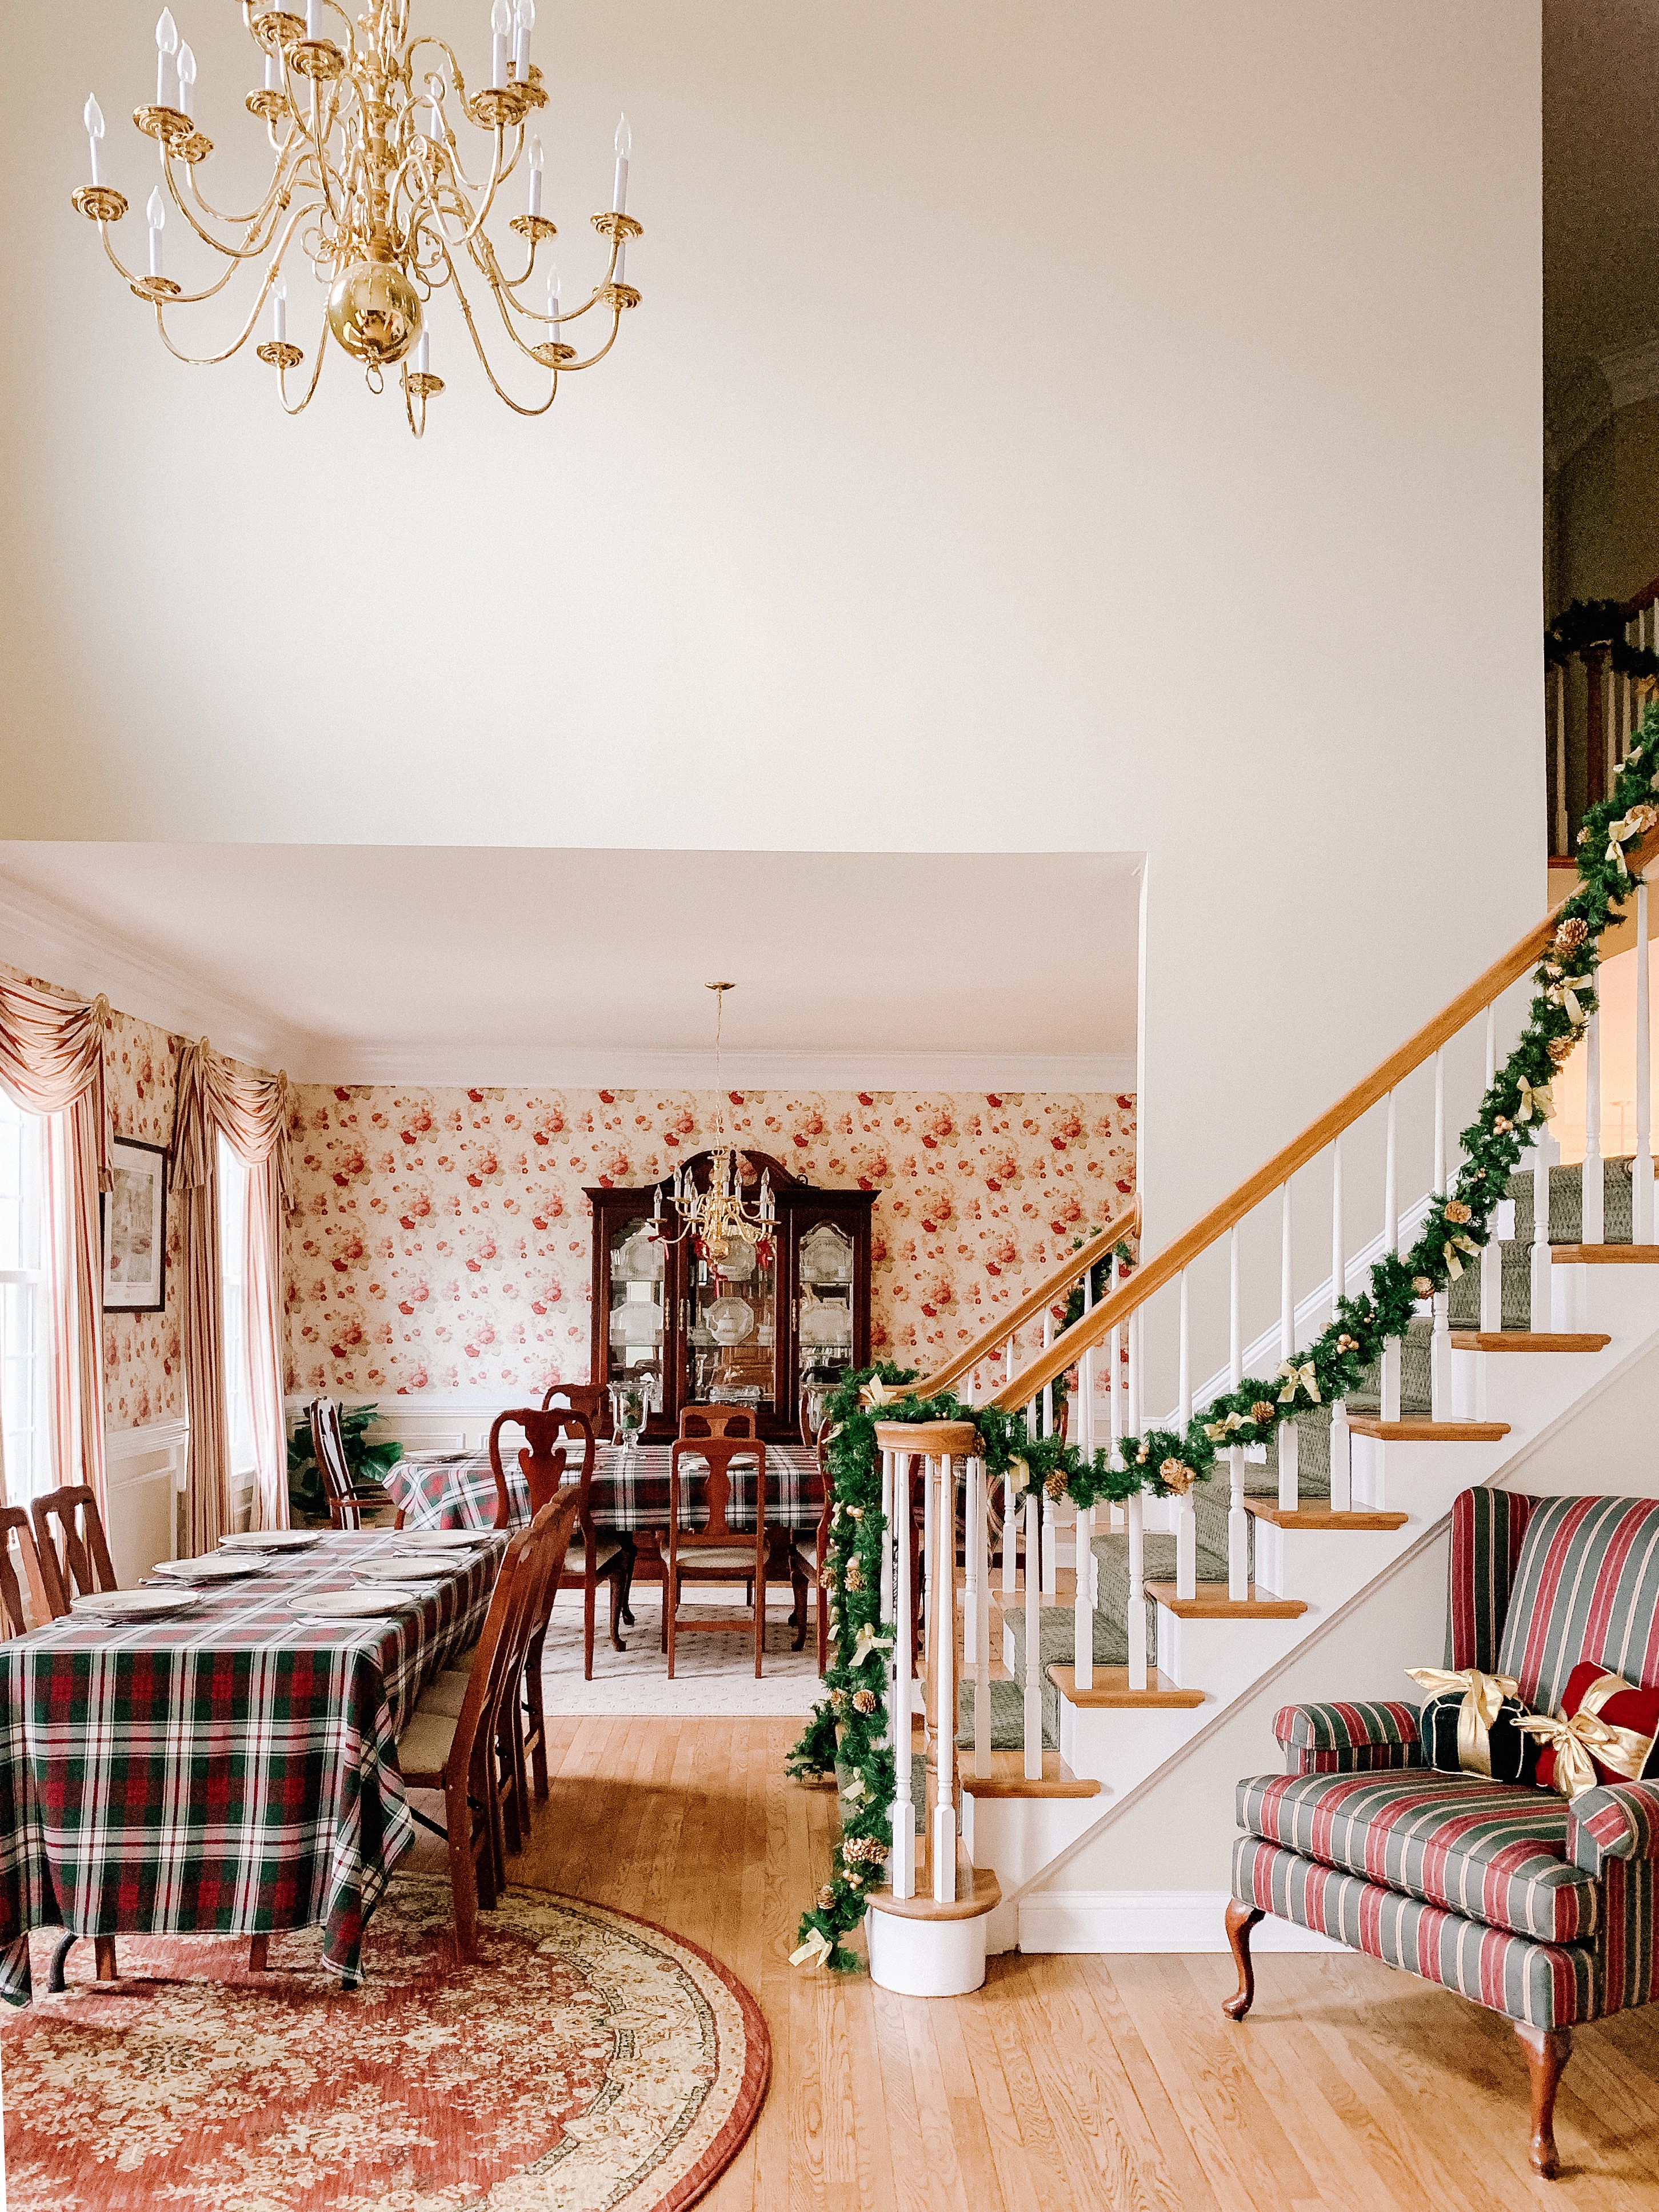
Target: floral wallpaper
column 142, row 1373
column 442, row 1242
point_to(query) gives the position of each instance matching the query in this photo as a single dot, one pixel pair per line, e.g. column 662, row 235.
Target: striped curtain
column 250, row 1109
column 52, row 1061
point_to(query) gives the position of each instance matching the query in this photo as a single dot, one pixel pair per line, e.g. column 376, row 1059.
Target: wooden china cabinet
column 766, row 1332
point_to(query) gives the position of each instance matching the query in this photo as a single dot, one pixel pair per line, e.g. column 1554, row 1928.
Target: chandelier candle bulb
column 93, row 116
column 423, row 352
column 186, row 81
column 279, row 311
column 524, row 23
column 156, row 208
column 270, row 72
column 535, row 176
column 501, row 24
column 619, row 196
column 166, row 44
column 314, row 20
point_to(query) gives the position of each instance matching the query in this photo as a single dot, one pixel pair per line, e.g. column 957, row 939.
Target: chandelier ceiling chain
column 716, row 1218
column 368, row 186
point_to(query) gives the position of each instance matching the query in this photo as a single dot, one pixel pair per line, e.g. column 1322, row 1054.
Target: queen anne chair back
column 550, row 1441
column 716, row 1421
column 74, row 1560
column 328, row 1444
column 16, row 1529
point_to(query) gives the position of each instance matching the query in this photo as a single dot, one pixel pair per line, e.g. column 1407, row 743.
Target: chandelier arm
column 572, row 368
column 491, row 269
column 300, row 405
column 289, row 147
column 252, row 244
column 191, row 299
column 484, row 358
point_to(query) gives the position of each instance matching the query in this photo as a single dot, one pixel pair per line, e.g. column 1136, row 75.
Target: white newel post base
column 918, row 1957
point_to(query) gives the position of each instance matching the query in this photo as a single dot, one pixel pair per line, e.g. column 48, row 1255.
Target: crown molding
column 592, row 1067
column 64, row 949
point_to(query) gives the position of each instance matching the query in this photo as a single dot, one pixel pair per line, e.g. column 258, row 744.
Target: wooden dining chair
column 589, row 1398
column 717, row 1421
column 544, row 1457
column 460, row 1751
column 346, row 1496
column 15, row 1528
column 72, row 1547
column 716, row 1553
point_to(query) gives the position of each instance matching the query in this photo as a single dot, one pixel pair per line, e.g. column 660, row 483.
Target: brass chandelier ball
column 374, row 313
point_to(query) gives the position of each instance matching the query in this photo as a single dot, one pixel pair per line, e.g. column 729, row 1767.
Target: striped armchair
column 1536, row 1907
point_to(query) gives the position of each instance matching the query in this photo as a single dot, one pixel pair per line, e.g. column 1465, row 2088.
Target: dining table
column 629, row 1493
column 230, row 1769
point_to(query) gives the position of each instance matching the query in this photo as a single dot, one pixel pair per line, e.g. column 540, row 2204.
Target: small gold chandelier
column 368, row 186
column 715, row 1218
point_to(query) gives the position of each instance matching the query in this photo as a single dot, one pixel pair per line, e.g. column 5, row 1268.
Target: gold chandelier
column 716, row 1218
column 368, row 187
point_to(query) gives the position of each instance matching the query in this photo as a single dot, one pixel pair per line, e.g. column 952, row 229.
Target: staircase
column 1199, row 1601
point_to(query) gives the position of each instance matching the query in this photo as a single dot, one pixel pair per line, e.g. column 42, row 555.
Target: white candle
column 423, row 353
column 93, row 116
column 553, row 301
column 166, row 44
column 624, row 148
column 158, row 216
column 622, row 261
column 436, row 128
column 270, row 72
column 186, row 81
column 535, row 176
column 524, row 23
column 501, row 24
column 314, row 20
column 279, row 311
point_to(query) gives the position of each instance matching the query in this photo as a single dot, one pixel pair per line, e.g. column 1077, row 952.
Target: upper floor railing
column 1600, row 667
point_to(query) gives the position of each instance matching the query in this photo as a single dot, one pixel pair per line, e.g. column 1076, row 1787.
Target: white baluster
column 1593, row 1184
column 1186, row 1513
column 1641, row 1166
column 1561, row 759
column 1288, row 1494
column 895, row 1583
column 971, row 1545
column 945, row 1681
column 1010, row 1537
column 1390, row 1383
column 1440, row 1342
column 1341, row 1474
column 1546, row 1153
column 1050, row 1528
column 1033, row 1638
column 1083, row 1544
column 1136, row 1618
column 980, row 1544
column 1115, row 1403
column 1492, row 1253
column 1238, row 1520
column 928, row 1560
column 1133, row 1393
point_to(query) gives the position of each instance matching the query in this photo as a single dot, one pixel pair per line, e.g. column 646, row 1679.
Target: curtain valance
column 51, row 1051
column 248, row 1110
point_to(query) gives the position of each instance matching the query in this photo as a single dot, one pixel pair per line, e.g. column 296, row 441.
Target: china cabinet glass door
column 823, row 1292
column 731, row 1347
column 639, row 1306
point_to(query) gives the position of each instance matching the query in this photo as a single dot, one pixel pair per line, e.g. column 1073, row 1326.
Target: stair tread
column 1324, row 1521
column 1522, row 1340
column 1415, row 1430
column 1008, row 1778
column 1110, row 1690
column 1211, row 1602
column 1574, row 1255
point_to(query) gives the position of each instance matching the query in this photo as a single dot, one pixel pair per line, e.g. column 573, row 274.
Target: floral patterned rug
column 589, row 2062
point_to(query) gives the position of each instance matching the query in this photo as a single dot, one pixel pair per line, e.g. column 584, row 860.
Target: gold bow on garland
column 1451, row 1247
column 1483, row 1700
column 1636, row 823
column 1586, row 1737
column 1537, row 1102
column 1295, row 1378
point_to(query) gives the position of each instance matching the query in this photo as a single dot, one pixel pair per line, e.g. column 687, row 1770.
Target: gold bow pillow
column 1604, row 1733
column 1470, row 1725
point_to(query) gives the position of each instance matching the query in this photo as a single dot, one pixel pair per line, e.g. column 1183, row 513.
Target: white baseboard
column 1147, row 1920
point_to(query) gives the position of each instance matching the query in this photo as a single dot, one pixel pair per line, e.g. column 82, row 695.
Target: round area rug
column 589, row 2062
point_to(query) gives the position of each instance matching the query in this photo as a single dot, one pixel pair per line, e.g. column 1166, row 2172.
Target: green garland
column 848, row 1729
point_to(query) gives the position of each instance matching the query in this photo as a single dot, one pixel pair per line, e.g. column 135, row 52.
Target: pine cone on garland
column 1054, row 1486
column 864, row 1701
column 1457, row 1213
column 1262, row 1411
column 1572, row 932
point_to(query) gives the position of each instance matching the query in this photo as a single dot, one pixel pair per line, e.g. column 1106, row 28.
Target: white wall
column 1091, row 417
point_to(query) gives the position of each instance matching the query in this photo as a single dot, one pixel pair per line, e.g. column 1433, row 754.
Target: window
column 26, row 1379
column 232, row 1294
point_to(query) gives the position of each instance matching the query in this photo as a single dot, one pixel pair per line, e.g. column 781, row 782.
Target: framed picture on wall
column 135, row 1228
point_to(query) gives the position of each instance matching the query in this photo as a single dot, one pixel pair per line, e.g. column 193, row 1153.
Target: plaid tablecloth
column 630, row 1489
column 231, row 1770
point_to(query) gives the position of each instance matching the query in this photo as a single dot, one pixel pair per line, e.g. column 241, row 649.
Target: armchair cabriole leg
column 1547, row 2049
column 1241, row 1919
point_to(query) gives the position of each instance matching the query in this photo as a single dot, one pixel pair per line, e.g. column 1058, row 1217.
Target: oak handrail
column 1076, row 1263
column 1152, row 1274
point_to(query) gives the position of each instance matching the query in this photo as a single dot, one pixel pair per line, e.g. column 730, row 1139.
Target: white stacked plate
column 355, row 1604
column 272, row 1539
column 411, row 1568
column 444, row 1539
column 211, row 1567
column 131, row 1605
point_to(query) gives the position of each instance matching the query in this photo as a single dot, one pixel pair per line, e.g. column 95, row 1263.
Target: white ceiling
column 456, row 964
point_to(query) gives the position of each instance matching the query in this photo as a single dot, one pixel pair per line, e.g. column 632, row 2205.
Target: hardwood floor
column 1070, row 2083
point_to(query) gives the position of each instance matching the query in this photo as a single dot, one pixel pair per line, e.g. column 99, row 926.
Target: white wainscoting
column 435, row 1421
column 144, row 1468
